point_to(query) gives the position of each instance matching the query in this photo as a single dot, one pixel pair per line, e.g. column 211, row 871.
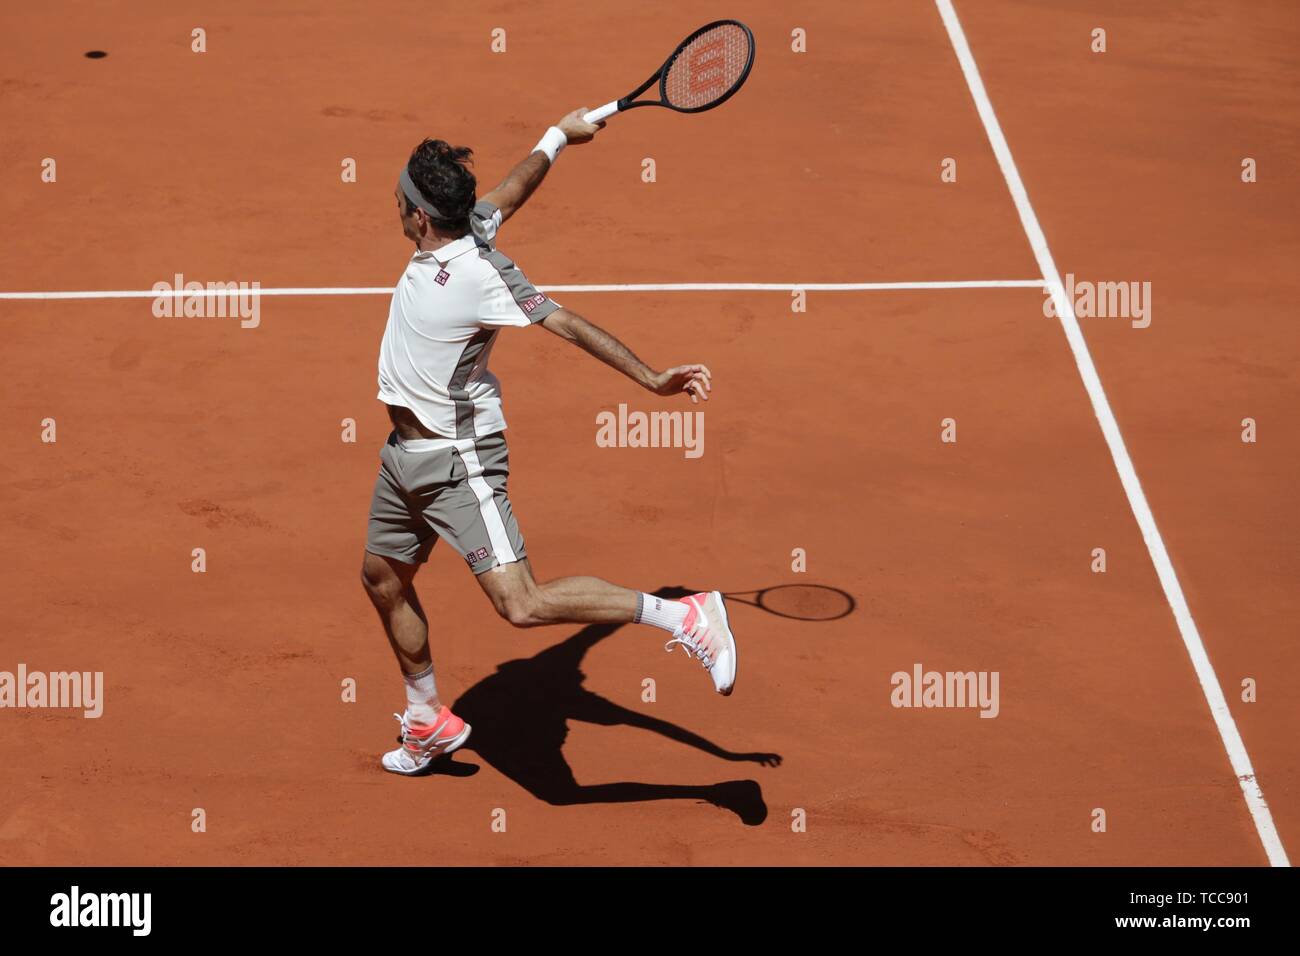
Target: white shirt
column 444, row 318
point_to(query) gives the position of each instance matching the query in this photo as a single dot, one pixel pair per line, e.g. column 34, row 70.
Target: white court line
column 1232, row 741
column 621, row 287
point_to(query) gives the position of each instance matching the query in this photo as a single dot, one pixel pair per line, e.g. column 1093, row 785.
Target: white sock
column 422, row 702
column 660, row 612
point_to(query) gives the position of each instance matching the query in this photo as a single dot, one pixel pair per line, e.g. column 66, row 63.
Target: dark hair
column 441, row 172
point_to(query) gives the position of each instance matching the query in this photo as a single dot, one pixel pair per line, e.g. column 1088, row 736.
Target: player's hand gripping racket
column 704, row 71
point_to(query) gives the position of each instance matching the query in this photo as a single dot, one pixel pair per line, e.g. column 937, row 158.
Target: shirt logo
column 442, row 277
column 532, row 302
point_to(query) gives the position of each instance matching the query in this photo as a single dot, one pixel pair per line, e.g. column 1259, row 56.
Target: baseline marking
column 620, row 287
column 1137, row 500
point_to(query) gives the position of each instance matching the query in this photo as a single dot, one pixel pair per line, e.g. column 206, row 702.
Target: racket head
column 708, row 67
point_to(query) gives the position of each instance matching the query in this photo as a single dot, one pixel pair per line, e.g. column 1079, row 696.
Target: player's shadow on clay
column 520, row 716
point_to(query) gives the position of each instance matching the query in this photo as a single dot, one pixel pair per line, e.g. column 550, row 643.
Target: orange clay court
column 224, row 690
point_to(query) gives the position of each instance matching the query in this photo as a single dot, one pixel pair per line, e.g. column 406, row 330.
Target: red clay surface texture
column 224, row 689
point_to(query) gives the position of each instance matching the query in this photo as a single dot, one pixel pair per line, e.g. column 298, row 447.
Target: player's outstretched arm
column 528, row 175
column 694, row 380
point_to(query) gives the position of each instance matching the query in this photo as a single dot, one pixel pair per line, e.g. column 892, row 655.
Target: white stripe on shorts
column 487, row 507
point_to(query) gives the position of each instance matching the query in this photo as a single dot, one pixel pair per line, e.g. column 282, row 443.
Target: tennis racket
column 705, row 71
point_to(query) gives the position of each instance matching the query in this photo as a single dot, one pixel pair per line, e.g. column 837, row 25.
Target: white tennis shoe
column 706, row 633
column 421, row 745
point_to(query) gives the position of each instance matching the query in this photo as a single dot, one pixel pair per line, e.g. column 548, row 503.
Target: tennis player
column 443, row 470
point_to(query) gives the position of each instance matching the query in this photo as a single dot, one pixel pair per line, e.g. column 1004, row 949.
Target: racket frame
column 627, row 102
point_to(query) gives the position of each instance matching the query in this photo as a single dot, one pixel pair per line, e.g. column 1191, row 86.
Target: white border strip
column 1232, row 742
column 621, row 287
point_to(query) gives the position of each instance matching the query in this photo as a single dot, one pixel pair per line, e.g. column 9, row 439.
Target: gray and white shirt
column 444, row 318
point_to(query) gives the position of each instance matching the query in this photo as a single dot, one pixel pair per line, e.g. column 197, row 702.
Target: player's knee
column 379, row 580
column 520, row 609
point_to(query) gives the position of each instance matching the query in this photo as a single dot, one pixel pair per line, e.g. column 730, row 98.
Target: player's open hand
column 766, row 759
column 694, row 380
column 578, row 130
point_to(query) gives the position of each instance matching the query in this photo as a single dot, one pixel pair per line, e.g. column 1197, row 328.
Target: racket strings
column 708, row 68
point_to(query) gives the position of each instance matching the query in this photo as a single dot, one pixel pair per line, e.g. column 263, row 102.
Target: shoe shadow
column 520, row 717
column 449, row 766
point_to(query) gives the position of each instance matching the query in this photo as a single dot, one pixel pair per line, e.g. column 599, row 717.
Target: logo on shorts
column 475, row 556
column 533, row 302
column 442, row 277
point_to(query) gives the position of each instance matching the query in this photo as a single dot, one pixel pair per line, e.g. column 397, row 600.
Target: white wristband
column 552, row 143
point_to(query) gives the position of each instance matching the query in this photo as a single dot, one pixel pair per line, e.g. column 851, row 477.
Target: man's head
column 436, row 192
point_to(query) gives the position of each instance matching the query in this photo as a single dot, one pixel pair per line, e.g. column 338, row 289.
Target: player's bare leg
column 389, row 585
column 699, row 623
column 580, row 600
column 429, row 729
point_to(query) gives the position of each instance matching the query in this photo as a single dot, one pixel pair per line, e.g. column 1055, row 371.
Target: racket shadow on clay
column 520, row 716
column 799, row 602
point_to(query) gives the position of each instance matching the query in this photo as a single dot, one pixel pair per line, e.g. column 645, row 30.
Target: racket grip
column 600, row 113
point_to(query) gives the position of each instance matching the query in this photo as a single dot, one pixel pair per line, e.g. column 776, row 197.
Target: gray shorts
column 448, row 488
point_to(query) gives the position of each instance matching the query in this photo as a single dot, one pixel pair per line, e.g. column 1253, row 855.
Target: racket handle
column 600, row 113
